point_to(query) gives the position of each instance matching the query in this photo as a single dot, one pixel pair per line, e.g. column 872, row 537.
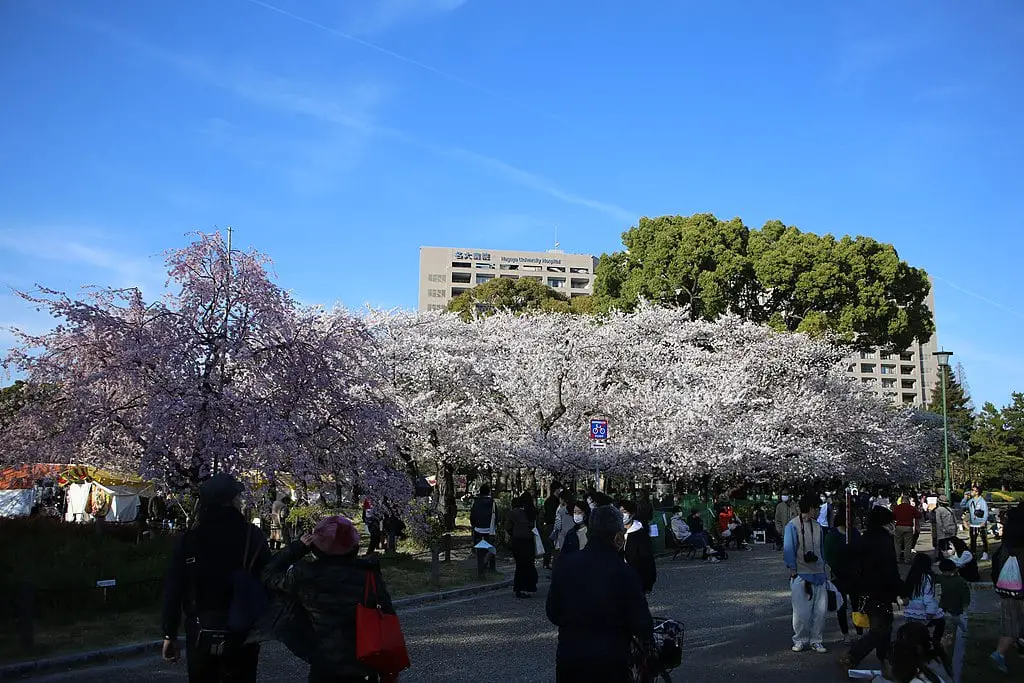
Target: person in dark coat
column 199, row 583
column 876, row 578
column 551, row 504
column 524, row 550
column 637, row 549
column 482, row 518
column 328, row 590
column 598, row 605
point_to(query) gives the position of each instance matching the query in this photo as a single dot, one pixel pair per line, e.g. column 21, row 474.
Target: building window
column 887, row 356
column 909, row 384
column 907, row 369
column 461, row 278
column 435, row 278
column 485, row 266
column 580, row 283
column 533, row 268
column 509, row 266
column 867, row 354
column 851, row 367
column 581, row 271
column 888, row 369
column 436, row 293
column 556, row 282
column 509, row 277
column 461, row 264
column 556, row 269
column 459, row 290
column 907, row 356
column 908, row 399
column 435, row 307
column 480, row 279
column 868, row 380
column 888, row 383
column 867, row 367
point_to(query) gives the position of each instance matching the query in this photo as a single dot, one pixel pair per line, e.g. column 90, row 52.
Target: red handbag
column 380, row 644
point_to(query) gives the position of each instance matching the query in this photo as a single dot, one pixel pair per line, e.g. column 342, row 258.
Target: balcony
column 556, row 282
column 461, row 278
column 580, row 283
column 907, row 356
column 907, row 369
column 888, row 369
column 480, row 279
column 908, row 384
column 888, row 383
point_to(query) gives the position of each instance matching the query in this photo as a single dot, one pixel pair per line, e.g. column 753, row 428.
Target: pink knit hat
column 336, row 536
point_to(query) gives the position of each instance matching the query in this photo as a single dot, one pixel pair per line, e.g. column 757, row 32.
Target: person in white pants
column 804, row 553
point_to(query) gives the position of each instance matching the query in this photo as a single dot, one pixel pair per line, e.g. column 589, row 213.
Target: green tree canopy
column 997, row 445
column 855, row 287
column 516, row 295
column 958, row 405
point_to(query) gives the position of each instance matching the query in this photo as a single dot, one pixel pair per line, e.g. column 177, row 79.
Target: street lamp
column 943, row 358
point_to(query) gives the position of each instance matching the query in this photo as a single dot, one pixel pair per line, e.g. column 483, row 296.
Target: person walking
column 482, row 518
column 945, row 522
column 879, row 583
column 199, row 583
column 804, row 553
column 954, row 599
column 785, row 511
column 551, row 504
column 563, row 523
column 328, row 590
column 838, row 558
column 524, row 550
column 598, row 605
column 908, row 526
column 1007, row 566
column 636, row 547
column 977, row 519
column 576, row 538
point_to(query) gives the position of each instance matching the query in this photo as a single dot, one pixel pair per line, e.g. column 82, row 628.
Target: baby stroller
column 665, row 654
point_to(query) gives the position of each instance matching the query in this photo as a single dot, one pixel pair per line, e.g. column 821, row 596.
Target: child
column 923, row 604
column 903, row 665
column 954, row 599
column 934, row 665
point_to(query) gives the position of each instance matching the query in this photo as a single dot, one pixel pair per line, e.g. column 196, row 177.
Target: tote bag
column 538, row 544
column 380, row 644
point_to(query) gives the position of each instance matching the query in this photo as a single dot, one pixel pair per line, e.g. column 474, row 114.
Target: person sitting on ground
column 328, row 590
column 598, row 605
column 934, row 665
column 967, row 565
column 576, row 537
column 903, row 665
column 637, row 549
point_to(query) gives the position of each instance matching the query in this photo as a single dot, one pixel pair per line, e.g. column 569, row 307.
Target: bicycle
column 664, row 655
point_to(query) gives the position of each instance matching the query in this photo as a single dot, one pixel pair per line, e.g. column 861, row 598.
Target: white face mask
column 785, row 499
column 578, row 518
column 593, row 506
column 626, row 518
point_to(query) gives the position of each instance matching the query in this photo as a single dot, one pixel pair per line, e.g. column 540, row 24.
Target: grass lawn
column 405, row 576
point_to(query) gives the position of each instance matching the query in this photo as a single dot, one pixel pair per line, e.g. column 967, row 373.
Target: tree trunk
column 435, row 566
column 446, row 495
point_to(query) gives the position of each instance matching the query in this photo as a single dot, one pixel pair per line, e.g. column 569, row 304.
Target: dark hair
column 917, row 635
column 920, row 570
column 604, row 524
column 809, row 501
column 1013, row 528
column 556, row 486
column 485, row 490
column 566, row 496
column 840, row 514
column 879, row 517
column 694, row 511
column 957, row 544
column 904, row 661
column 947, row 565
column 582, row 505
column 676, row 509
column 628, row 506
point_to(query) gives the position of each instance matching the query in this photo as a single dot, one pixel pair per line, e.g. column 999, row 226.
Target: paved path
column 737, row 617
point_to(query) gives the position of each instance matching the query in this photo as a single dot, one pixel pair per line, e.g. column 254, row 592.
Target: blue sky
column 338, row 137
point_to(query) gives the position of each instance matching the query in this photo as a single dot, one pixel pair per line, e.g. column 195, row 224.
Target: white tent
column 16, row 502
column 124, row 501
column 78, row 500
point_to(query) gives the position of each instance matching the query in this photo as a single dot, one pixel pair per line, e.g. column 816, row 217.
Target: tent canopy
column 25, row 476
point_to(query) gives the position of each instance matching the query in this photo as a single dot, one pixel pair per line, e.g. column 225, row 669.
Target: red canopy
column 25, row 476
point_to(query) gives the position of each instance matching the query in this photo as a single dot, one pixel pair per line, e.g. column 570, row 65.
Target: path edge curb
column 75, row 661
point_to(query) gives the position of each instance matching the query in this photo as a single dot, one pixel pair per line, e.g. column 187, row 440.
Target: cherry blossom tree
column 225, row 372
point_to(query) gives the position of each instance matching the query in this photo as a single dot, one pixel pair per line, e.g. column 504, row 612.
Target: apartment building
column 445, row 272
column 904, row 377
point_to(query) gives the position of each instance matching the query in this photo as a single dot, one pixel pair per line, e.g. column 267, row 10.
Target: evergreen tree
column 997, row 446
column 959, row 407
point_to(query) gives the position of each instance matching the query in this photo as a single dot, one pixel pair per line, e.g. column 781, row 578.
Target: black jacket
column 480, row 513
column 598, row 605
column 551, row 504
column 199, row 577
column 518, row 524
column 875, row 570
column 639, row 554
column 328, row 589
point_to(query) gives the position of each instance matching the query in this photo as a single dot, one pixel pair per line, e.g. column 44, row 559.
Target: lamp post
column 943, row 359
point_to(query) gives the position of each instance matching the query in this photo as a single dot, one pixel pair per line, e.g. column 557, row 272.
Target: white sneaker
column 819, row 648
column 984, row 557
column 799, row 648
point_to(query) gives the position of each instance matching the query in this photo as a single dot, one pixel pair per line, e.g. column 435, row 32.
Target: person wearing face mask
column 877, row 577
column 785, row 511
column 637, row 549
column 576, row 536
column 563, row 523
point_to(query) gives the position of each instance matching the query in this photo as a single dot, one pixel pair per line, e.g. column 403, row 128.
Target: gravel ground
column 737, row 616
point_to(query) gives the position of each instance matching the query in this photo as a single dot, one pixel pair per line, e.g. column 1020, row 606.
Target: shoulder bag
column 380, row 644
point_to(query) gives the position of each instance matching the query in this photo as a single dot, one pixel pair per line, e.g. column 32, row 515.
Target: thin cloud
column 285, row 95
column 980, row 297
column 409, row 60
column 376, row 16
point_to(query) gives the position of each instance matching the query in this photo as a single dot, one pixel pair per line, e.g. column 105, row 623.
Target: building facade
column 904, row 377
column 445, row 272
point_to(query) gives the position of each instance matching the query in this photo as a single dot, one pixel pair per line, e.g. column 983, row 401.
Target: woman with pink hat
column 328, row 590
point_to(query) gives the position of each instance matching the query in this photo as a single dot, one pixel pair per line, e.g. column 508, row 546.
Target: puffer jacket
column 328, row 589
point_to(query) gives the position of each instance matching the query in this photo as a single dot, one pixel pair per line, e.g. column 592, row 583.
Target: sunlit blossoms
column 229, row 372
